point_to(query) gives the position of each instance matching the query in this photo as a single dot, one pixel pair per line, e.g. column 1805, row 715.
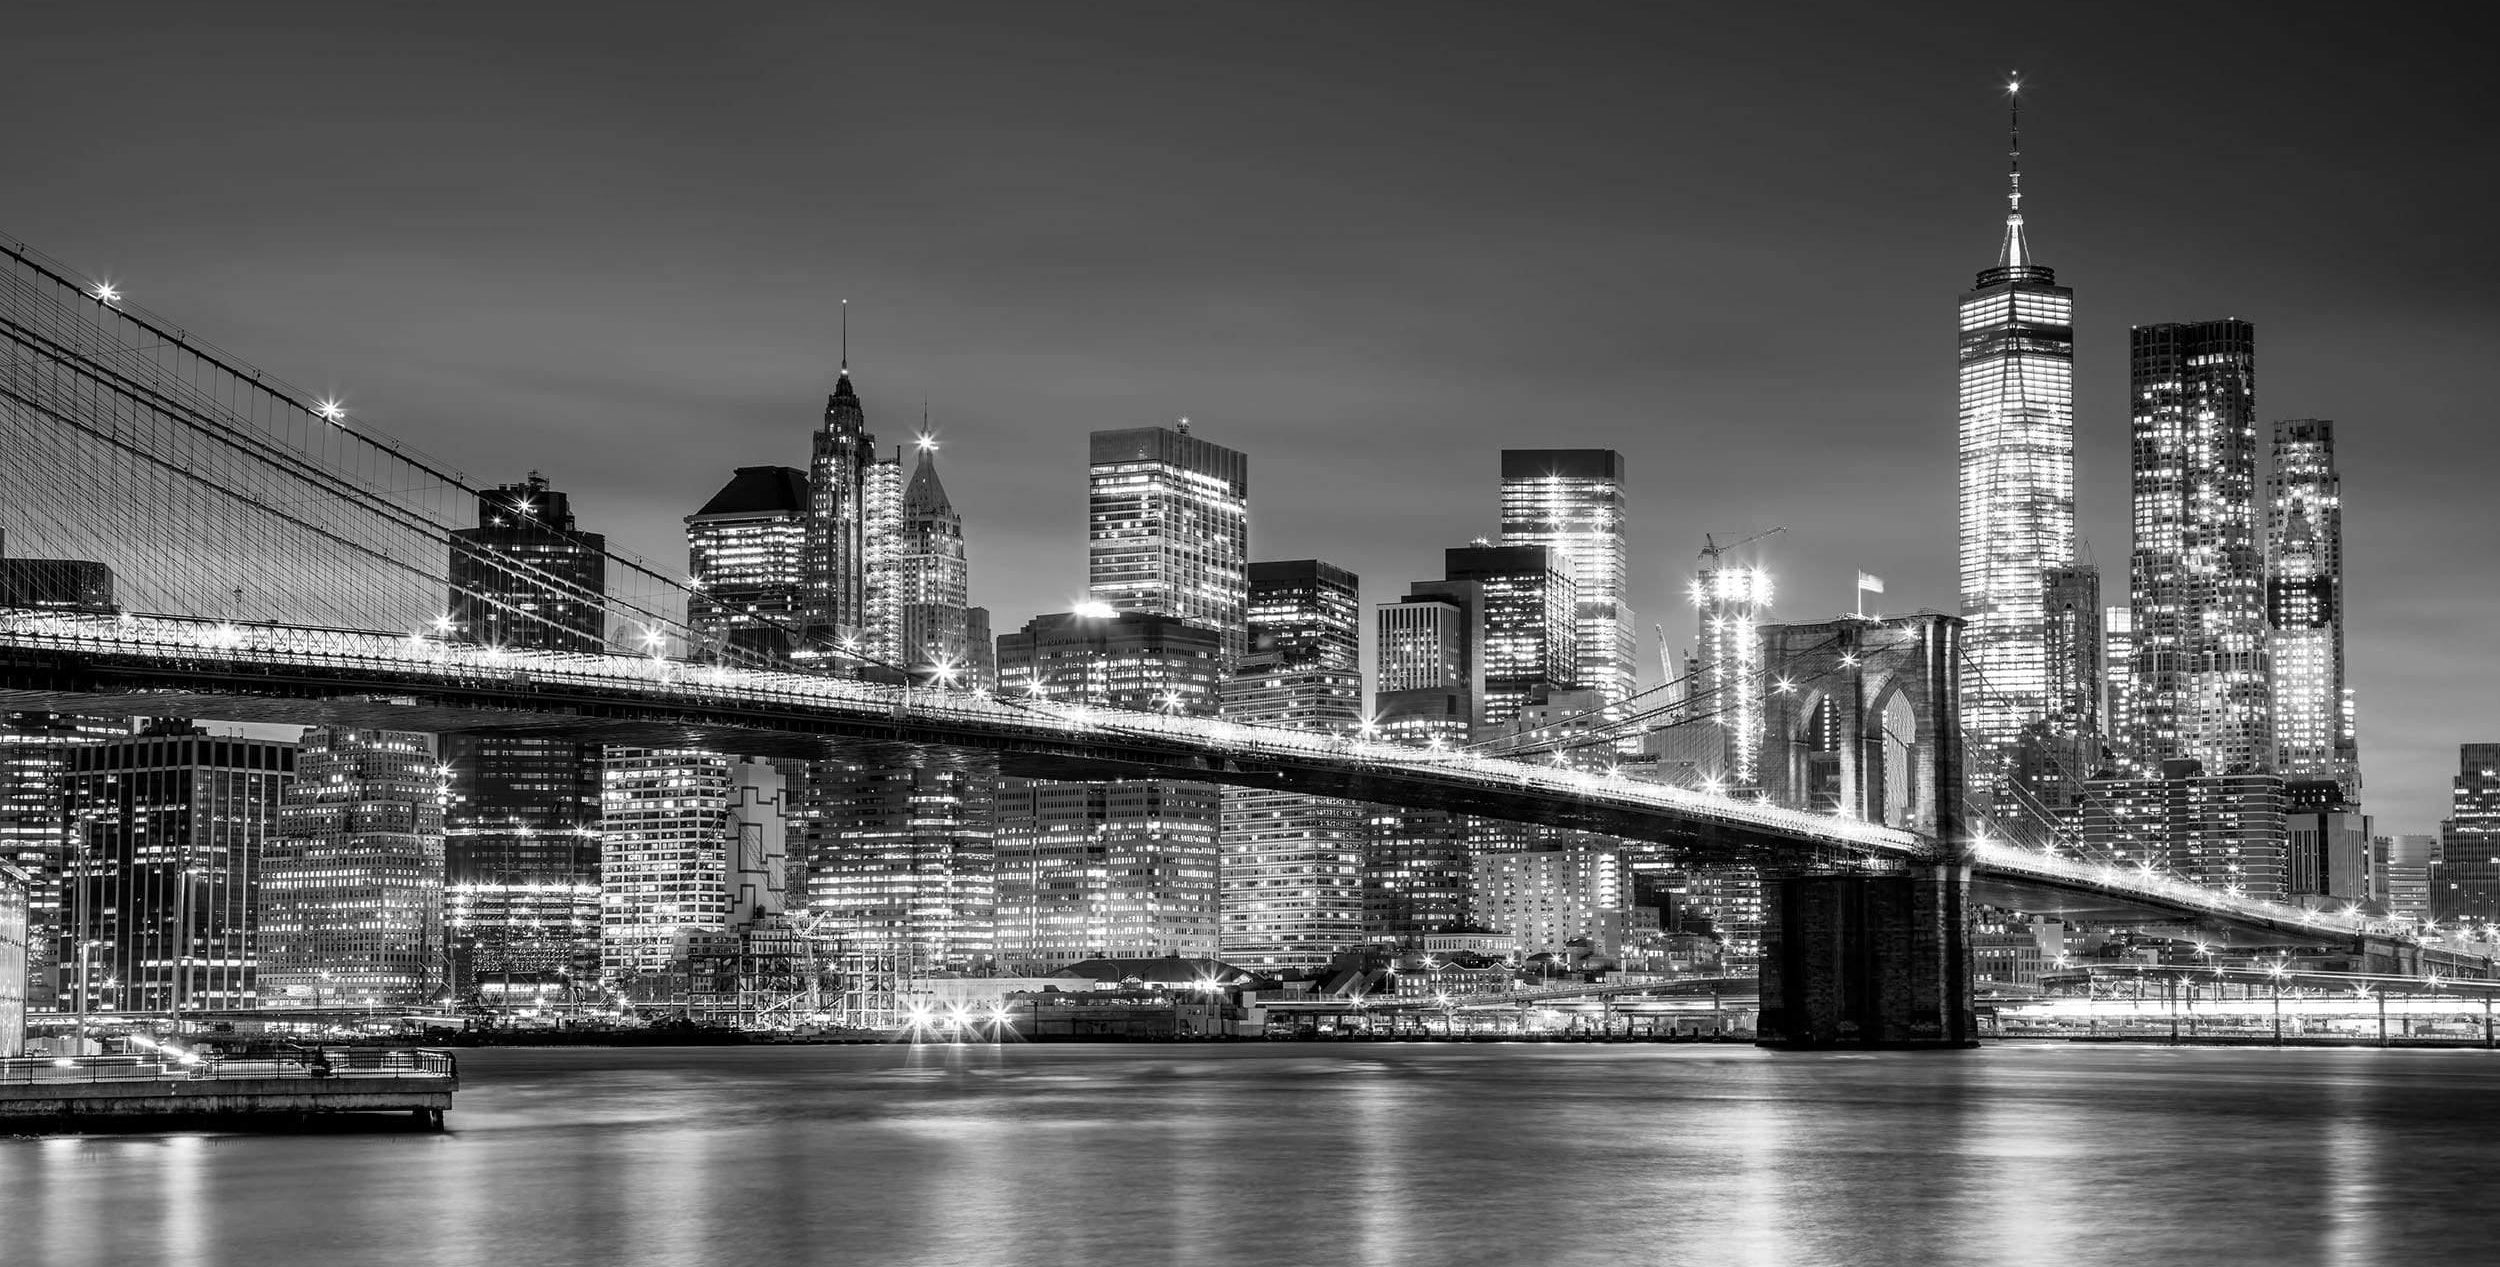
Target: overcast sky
column 1369, row 245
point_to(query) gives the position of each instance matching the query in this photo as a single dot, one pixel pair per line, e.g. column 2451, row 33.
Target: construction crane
column 1711, row 549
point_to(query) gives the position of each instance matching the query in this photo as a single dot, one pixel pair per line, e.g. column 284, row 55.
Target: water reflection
column 1307, row 1153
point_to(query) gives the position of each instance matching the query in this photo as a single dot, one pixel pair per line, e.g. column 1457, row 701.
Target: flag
column 1870, row 583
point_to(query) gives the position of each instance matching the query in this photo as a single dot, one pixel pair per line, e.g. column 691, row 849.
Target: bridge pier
column 1867, row 961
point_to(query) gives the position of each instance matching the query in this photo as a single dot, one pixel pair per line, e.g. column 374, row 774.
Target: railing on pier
column 305, row 1063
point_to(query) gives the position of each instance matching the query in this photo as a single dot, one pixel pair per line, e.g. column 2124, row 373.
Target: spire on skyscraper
column 846, row 339
column 2016, row 254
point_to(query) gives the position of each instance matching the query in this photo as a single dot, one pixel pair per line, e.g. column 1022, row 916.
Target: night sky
column 1370, row 250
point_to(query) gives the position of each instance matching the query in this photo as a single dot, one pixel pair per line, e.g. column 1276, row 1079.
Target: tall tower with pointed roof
column 2017, row 422
column 835, row 568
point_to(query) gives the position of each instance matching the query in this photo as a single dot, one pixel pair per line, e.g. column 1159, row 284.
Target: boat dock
column 169, row 1090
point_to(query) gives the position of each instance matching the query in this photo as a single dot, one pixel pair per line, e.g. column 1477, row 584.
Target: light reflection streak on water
column 1451, row 1155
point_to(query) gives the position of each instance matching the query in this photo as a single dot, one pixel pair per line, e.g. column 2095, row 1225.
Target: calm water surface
column 1322, row 1154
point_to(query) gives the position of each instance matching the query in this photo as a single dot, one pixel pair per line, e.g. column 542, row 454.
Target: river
column 1316, row 1153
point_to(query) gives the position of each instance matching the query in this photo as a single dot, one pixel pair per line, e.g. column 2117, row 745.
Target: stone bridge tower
column 1861, row 717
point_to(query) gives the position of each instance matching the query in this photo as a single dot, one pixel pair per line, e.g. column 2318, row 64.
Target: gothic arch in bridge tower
column 1858, row 717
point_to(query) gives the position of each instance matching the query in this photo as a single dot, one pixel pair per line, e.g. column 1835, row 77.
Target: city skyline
column 1261, row 348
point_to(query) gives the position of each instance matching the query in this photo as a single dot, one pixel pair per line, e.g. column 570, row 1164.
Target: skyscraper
column 747, row 550
column 663, row 867
column 1726, row 687
column 35, row 754
column 167, row 884
column 2017, row 427
column 1572, row 501
column 2314, row 732
column 2465, row 874
column 1120, row 869
column 351, row 883
column 880, row 561
column 2225, row 831
column 2200, row 683
column 1531, row 622
column 1429, row 679
column 832, row 577
column 1292, row 865
column 1168, row 529
column 905, row 867
column 932, row 579
column 521, row 819
column 525, row 577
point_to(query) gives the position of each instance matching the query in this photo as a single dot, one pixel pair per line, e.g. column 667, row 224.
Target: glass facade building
column 1168, row 529
column 747, row 551
column 351, row 884
column 525, row 577
column 2017, row 503
column 2201, row 685
column 521, row 819
column 163, row 898
column 2465, row 874
column 2315, row 734
column 1531, row 630
column 1572, row 502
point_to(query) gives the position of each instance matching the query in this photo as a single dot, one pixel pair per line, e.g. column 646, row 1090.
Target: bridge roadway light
column 105, row 292
column 331, row 411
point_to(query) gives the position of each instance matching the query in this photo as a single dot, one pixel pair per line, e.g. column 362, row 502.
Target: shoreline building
column 1572, row 502
column 165, row 893
column 1121, row 869
column 351, row 882
column 2200, row 682
column 1290, row 890
column 2017, row 519
column 521, row 818
column 2315, row 736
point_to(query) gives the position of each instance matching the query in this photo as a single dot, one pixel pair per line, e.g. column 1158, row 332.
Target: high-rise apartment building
column 525, row 577
column 164, row 891
column 1119, row 869
column 2314, row 729
column 2465, row 877
column 1530, row 610
column 2017, row 427
column 2200, row 685
column 833, row 573
column 2226, row 831
column 1291, row 877
column 663, row 863
column 1572, row 502
column 521, row 819
column 1168, row 529
column 1550, row 898
column 747, row 551
column 351, row 883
